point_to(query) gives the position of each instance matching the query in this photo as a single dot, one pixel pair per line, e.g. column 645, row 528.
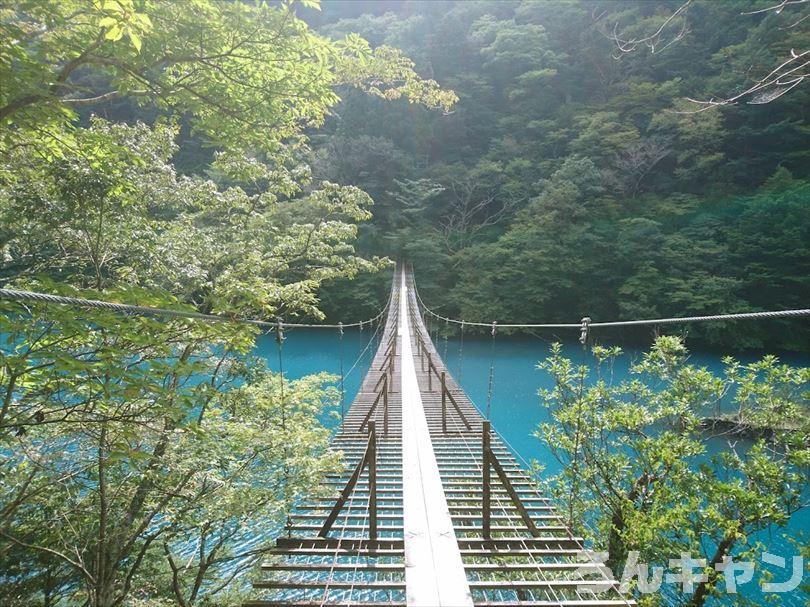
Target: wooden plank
column 363, row 550
column 542, row 584
column 361, row 514
column 387, row 528
column 288, row 543
column 305, row 603
column 521, row 542
column 434, row 574
column 532, row 553
column 334, row 566
column 533, row 566
column 327, row 583
column 559, row 603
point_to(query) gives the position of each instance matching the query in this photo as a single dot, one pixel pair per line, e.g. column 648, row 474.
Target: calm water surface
column 515, row 408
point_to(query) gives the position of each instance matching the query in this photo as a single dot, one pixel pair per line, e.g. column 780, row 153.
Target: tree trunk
column 703, row 589
column 105, row 576
column 617, row 551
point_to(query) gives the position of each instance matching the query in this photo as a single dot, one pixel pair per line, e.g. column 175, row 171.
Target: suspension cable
column 18, row 295
column 280, row 344
column 461, row 353
column 624, row 323
column 342, row 378
column 371, row 341
column 446, row 337
column 491, row 368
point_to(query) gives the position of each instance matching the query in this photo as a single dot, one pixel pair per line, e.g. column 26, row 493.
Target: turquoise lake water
column 515, row 408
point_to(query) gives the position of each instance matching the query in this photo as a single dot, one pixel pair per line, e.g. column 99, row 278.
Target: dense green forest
column 574, row 179
column 126, row 439
column 535, row 161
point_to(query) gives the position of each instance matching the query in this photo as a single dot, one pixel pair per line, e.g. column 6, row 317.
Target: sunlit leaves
column 643, row 463
column 387, row 73
column 159, row 432
column 119, row 18
column 247, row 75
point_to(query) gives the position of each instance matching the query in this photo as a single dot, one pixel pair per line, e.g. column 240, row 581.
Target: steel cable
column 624, row 323
column 32, row 296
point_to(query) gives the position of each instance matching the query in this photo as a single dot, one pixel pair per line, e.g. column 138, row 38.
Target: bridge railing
column 425, row 354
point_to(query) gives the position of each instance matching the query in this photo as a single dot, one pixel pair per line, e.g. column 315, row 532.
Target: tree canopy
column 534, row 160
column 576, row 178
column 125, row 440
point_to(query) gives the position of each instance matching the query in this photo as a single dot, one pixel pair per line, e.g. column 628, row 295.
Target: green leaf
column 135, row 39
column 114, row 33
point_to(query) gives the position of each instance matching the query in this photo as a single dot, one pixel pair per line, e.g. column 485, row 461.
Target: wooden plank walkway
column 346, row 567
column 432, row 508
column 522, row 553
column 434, row 573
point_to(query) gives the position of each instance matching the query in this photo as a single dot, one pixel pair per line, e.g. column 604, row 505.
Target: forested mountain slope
column 573, row 178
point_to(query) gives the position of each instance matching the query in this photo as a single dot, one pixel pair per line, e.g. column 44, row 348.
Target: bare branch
column 472, row 209
column 635, row 161
column 777, row 8
column 784, row 78
column 627, row 44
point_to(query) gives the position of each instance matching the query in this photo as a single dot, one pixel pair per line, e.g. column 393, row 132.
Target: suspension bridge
column 432, row 509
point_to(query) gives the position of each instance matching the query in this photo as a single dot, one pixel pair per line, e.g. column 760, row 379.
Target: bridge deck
column 431, row 476
column 434, row 571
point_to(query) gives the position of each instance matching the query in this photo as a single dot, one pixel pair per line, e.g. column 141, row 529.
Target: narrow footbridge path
column 432, row 510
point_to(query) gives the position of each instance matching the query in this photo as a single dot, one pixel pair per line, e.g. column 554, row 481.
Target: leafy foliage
column 145, row 461
column 247, row 75
column 643, row 466
column 597, row 190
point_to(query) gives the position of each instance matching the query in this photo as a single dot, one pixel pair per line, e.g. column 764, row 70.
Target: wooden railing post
column 385, row 411
column 444, row 404
column 430, row 376
column 390, row 380
column 372, row 481
column 485, row 455
column 369, row 459
column 490, row 460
